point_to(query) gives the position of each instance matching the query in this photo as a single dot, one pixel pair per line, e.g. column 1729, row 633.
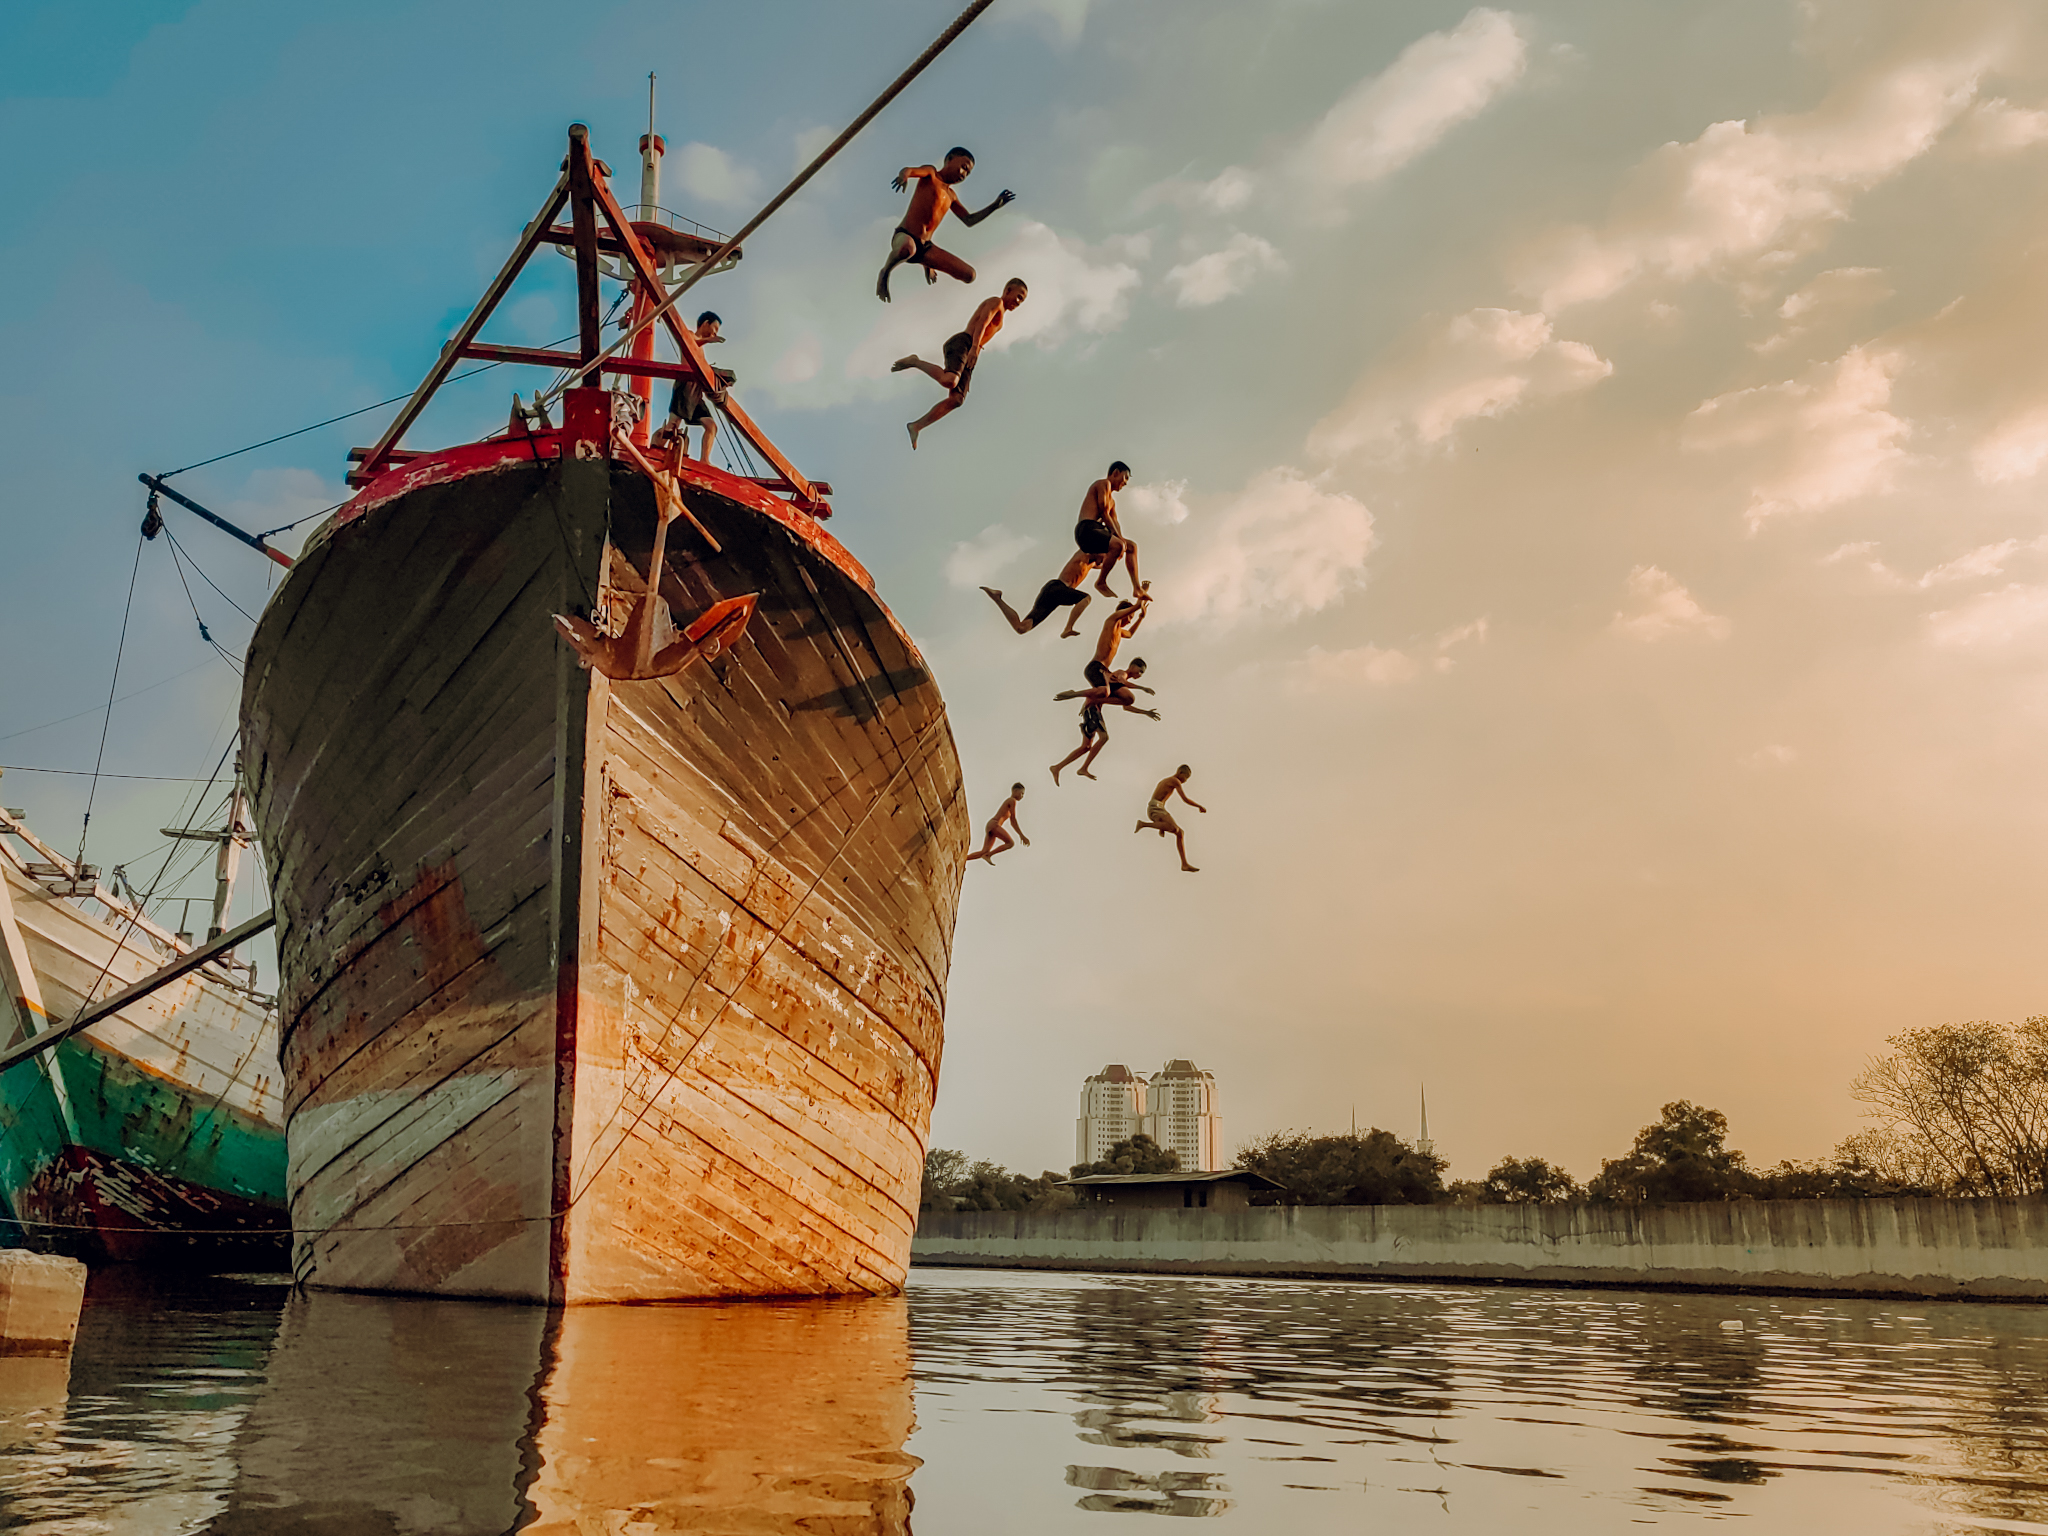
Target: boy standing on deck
column 689, row 406
column 911, row 241
column 994, row 839
column 963, row 351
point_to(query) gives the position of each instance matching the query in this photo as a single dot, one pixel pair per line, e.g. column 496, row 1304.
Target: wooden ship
column 600, row 987
column 158, row 1137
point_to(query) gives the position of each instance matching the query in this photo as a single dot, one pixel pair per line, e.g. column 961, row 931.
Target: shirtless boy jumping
column 1063, row 591
column 1116, row 629
column 1159, row 819
column 995, row 840
column 1120, row 688
column 963, row 351
column 911, row 240
column 1099, row 535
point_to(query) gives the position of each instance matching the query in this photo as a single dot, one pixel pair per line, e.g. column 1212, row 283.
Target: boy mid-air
column 1117, row 628
column 995, row 840
column 1159, row 819
column 963, row 351
column 1063, row 591
column 911, row 241
column 1100, row 536
column 1120, row 688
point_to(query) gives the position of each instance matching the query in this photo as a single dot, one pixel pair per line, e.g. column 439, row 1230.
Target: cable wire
column 100, row 757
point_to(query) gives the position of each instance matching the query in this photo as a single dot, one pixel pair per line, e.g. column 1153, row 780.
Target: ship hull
column 156, row 1137
column 599, row 991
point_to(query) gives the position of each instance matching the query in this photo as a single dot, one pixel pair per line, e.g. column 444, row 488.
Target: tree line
column 1955, row 1109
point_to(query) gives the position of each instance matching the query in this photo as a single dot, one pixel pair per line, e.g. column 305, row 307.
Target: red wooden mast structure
column 600, row 235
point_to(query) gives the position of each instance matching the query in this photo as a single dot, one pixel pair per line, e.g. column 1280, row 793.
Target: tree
column 1134, row 1154
column 1377, row 1168
column 1967, row 1100
column 1528, row 1181
column 1683, row 1156
column 945, row 1174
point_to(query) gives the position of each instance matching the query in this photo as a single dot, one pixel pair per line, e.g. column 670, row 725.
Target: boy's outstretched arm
column 972, row 219
column 910, row 172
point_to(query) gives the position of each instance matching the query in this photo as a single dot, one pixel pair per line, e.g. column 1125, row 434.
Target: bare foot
column 1189, row 869
column 931, row 276
column 911, row 428
column 903, row 363
column 882, row 286
column 1141, row 826
column 994, row 592
column 1056, row 771
column 1102, row 585
column 1068, row 634
column 1084, row 773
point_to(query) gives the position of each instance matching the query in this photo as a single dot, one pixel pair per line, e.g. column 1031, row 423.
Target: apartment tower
column 1112, row 1110
column 1180, row 1113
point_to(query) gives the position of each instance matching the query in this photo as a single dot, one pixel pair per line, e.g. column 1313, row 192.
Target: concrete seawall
column 1943, row 1248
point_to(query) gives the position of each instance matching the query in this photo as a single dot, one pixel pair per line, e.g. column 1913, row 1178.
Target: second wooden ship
column 157, row 1137
column 596, row 988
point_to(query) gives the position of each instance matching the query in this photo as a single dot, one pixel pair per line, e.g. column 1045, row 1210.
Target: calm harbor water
column 988, row 1403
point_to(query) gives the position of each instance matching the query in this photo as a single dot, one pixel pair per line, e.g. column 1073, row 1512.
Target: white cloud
column 1483, row 363
column 981, row 558
column 1072, row 290
column 1745, row 198
column 1837, row 291
column 1438, row 82
column 1164, row 503
column 1064, row 18
column 1660, row 607
column 1215, row 277
column 1972, row 565
column 2013, row 450
column 1368, row 665
column 1992, row 620
column 1283, row 546
column 1997, row 127
column 1380, row 666
column 706, row 171
column 1814, row 442
column 800, row 360
column 1229, row 189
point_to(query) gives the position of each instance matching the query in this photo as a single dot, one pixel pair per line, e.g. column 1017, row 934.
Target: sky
column 1589, row 458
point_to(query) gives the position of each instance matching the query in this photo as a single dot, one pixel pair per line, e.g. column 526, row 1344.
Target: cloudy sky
column 1590, row 457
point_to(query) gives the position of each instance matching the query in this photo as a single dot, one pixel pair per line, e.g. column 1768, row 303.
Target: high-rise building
column 1180, row 1113
column 1112, row 1110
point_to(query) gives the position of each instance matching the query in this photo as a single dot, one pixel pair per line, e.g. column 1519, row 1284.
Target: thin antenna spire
column 650, row 103
column 1422, row 1143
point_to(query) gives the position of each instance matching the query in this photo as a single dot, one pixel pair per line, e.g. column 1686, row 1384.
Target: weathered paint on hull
column 154, row 1137
column 594, row 991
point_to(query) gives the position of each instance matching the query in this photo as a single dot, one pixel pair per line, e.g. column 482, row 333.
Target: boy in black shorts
column 1063, row 591
column 689, row 406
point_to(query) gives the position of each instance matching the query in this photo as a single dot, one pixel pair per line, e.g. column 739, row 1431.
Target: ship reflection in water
column 1041, row 1404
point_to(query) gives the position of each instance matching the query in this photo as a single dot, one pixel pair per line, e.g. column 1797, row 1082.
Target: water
column 997, row 1403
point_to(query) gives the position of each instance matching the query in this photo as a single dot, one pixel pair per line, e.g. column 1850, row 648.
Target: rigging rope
column 92, row 791
column 917, row 67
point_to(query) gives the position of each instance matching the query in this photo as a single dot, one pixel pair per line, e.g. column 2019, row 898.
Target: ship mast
column 644, row 298
column 232, row 837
